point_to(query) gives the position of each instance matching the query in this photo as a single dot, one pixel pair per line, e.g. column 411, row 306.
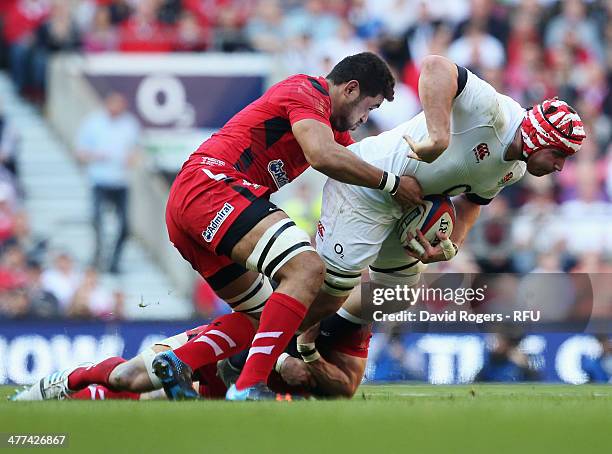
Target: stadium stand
column 57, row 204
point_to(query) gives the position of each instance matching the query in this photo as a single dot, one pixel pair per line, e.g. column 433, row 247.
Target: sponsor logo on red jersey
column 208, row 161
column 277, row 170
column 481, row 151
column 217, row 221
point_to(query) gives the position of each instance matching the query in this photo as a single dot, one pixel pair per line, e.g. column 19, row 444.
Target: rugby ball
column 437, row 215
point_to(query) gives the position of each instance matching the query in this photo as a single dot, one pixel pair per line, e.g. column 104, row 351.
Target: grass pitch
column 380, row 419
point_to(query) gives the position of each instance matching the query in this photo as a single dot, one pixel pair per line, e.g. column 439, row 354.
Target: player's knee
column 306, row 269
column 125, row 376
column 303, row 273
column 315, row 268
column 311, row 267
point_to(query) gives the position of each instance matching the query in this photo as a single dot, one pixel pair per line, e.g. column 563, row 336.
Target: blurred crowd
column 36, row 281
column 528, row 49
column 506, row 358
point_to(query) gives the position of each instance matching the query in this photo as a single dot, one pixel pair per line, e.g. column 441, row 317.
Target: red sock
column 96, row 374
column 280, row 319
column 224, row 337
column 99, row 392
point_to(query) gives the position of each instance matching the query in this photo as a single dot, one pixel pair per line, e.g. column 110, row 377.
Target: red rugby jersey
column 258, row 140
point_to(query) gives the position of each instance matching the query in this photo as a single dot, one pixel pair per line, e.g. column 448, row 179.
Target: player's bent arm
column 466, row 214
column 327, row 156
column 437, row 89
column 340, row 378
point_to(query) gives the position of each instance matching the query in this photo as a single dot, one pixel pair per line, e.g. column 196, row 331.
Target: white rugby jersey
column 483, row 125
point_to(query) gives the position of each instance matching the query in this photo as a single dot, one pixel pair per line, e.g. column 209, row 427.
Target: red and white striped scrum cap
column 552, row 124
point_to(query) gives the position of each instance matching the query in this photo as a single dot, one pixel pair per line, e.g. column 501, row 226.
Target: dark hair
column 372, row 73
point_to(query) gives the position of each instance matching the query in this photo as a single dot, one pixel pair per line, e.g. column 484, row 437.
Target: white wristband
column 305, row 347
column 279, row 362
column 313, row 356
column 392, row 184
column 309, row 352
column 448, row 248
column 389, row 182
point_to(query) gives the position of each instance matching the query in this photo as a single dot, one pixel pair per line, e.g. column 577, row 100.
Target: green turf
column 380, row 419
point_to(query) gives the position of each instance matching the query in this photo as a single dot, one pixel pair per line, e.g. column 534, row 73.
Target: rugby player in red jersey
column 221, row 221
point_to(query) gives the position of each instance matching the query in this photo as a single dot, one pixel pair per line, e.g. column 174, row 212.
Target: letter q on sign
column 161, row 99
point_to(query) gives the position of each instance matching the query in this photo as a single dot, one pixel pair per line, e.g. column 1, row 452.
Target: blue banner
column 31, row 349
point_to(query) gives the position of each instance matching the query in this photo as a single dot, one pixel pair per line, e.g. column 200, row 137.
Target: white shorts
column 355, row 233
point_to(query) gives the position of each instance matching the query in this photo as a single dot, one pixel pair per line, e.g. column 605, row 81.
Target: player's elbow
column 318, row 161
column 440, row 142
column 347, row 390
column 344, row 388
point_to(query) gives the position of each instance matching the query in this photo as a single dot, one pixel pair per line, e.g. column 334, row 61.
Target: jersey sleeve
column 306, row 99
column 476, row 105
column 479, row 199
column 343, row 138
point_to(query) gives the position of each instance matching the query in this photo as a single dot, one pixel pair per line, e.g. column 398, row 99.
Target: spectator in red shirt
column 143, row 32
column 209, row 12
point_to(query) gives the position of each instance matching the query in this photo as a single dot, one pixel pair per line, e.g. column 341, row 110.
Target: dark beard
column 340, row 124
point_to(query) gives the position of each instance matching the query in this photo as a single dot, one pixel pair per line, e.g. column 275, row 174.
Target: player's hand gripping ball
column 424, row 230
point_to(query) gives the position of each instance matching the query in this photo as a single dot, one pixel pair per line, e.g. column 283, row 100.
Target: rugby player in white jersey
column 469, row 142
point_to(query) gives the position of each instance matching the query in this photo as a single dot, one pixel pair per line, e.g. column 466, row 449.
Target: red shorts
column 211, row 386
column 357, row 344
column 338, row 334
column 210, row 208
